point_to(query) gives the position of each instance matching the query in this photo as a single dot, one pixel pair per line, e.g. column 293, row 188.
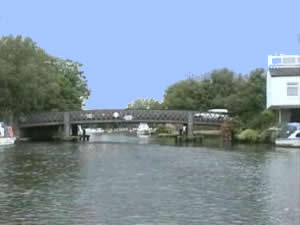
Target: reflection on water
column 130, row 180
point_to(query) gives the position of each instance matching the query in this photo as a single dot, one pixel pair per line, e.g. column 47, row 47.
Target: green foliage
column 236, row 125
column 144, row 103
column 244, row 96
column 197, row 93
column 251, row 96
column 268, row 135
column 262, row 120
column 73, row 85
column 249, row 135
column 166, row 129
column 187, row 94
column 31, row 80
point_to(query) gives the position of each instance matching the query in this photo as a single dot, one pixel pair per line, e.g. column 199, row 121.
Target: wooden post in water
column 66, row 124
column 226, row 132
column 190, row 124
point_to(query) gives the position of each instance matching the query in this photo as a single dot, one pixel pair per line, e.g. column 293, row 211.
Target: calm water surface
column 129, row 180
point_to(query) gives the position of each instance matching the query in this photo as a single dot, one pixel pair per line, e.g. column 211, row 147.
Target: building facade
column 283, row 87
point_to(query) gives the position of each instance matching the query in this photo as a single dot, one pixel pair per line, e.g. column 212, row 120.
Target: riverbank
column 256, row 136
column 247, row 136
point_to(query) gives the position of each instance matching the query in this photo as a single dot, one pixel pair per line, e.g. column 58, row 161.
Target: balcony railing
column 282, row 61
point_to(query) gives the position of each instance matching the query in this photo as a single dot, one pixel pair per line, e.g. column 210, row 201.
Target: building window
column 292, row 89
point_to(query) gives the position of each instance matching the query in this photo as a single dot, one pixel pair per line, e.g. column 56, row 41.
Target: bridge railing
column 42, row 118
column 209, row 117
column 128, row 115
column 111, row 115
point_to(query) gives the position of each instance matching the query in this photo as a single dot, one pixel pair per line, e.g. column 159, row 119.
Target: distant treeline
column 32, row 80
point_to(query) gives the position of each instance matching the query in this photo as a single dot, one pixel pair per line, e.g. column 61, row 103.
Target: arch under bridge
column 63, row 122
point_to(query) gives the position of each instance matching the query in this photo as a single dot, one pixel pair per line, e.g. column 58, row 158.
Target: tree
column 184, row 94
column 73, row 84
column 144, row 103
column 196, row 93
column 32, row 81
column 250, row 101
column 245, row 96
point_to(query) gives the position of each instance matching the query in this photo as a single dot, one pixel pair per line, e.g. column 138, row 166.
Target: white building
column 283, row 83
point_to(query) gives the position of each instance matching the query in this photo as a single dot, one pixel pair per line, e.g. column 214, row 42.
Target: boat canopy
column 294, row 124
column 288, row 129
column 5, row 131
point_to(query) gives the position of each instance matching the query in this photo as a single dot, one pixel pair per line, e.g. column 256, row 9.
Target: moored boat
column 143, row 129
column 7, row 141
column 289, row 135
column 6, row 135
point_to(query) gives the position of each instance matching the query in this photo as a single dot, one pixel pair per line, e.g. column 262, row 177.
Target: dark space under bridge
column 65, row 123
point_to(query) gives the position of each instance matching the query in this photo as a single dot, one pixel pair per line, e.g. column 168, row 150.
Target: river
column 121, row 180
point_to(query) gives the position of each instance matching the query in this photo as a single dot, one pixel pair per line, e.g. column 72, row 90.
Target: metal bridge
column 67, row 119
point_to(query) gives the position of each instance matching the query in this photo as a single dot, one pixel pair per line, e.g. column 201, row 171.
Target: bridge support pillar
column 190, row 124
column 66, row 124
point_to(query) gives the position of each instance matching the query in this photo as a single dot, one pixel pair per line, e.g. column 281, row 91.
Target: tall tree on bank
column 250, row 100
column 187, row 94
column 31, row 80
column 198, row 93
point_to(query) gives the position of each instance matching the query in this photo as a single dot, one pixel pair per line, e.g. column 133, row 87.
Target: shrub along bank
column 259, row 130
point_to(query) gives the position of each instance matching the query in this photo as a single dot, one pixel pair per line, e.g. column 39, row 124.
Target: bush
column 166, row 129
column 269, row 135
column 248, row 135
column 263, row 120
column 236, row 125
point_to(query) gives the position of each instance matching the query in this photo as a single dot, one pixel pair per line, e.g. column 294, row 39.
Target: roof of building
column 285, row 71
column 285, row 106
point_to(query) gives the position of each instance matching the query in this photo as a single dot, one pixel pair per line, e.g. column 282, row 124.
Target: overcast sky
column 133, row 49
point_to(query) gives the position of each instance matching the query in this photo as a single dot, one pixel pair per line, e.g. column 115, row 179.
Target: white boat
column 7, row 140
column 90, row 131
column 289, row 135
column 6, row 135
column 218, row 114
column 143, row 129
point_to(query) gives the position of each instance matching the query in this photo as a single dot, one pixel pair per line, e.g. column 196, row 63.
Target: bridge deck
column 120, row 116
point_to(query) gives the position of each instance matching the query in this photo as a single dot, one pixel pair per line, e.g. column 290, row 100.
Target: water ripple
column 134, row 183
